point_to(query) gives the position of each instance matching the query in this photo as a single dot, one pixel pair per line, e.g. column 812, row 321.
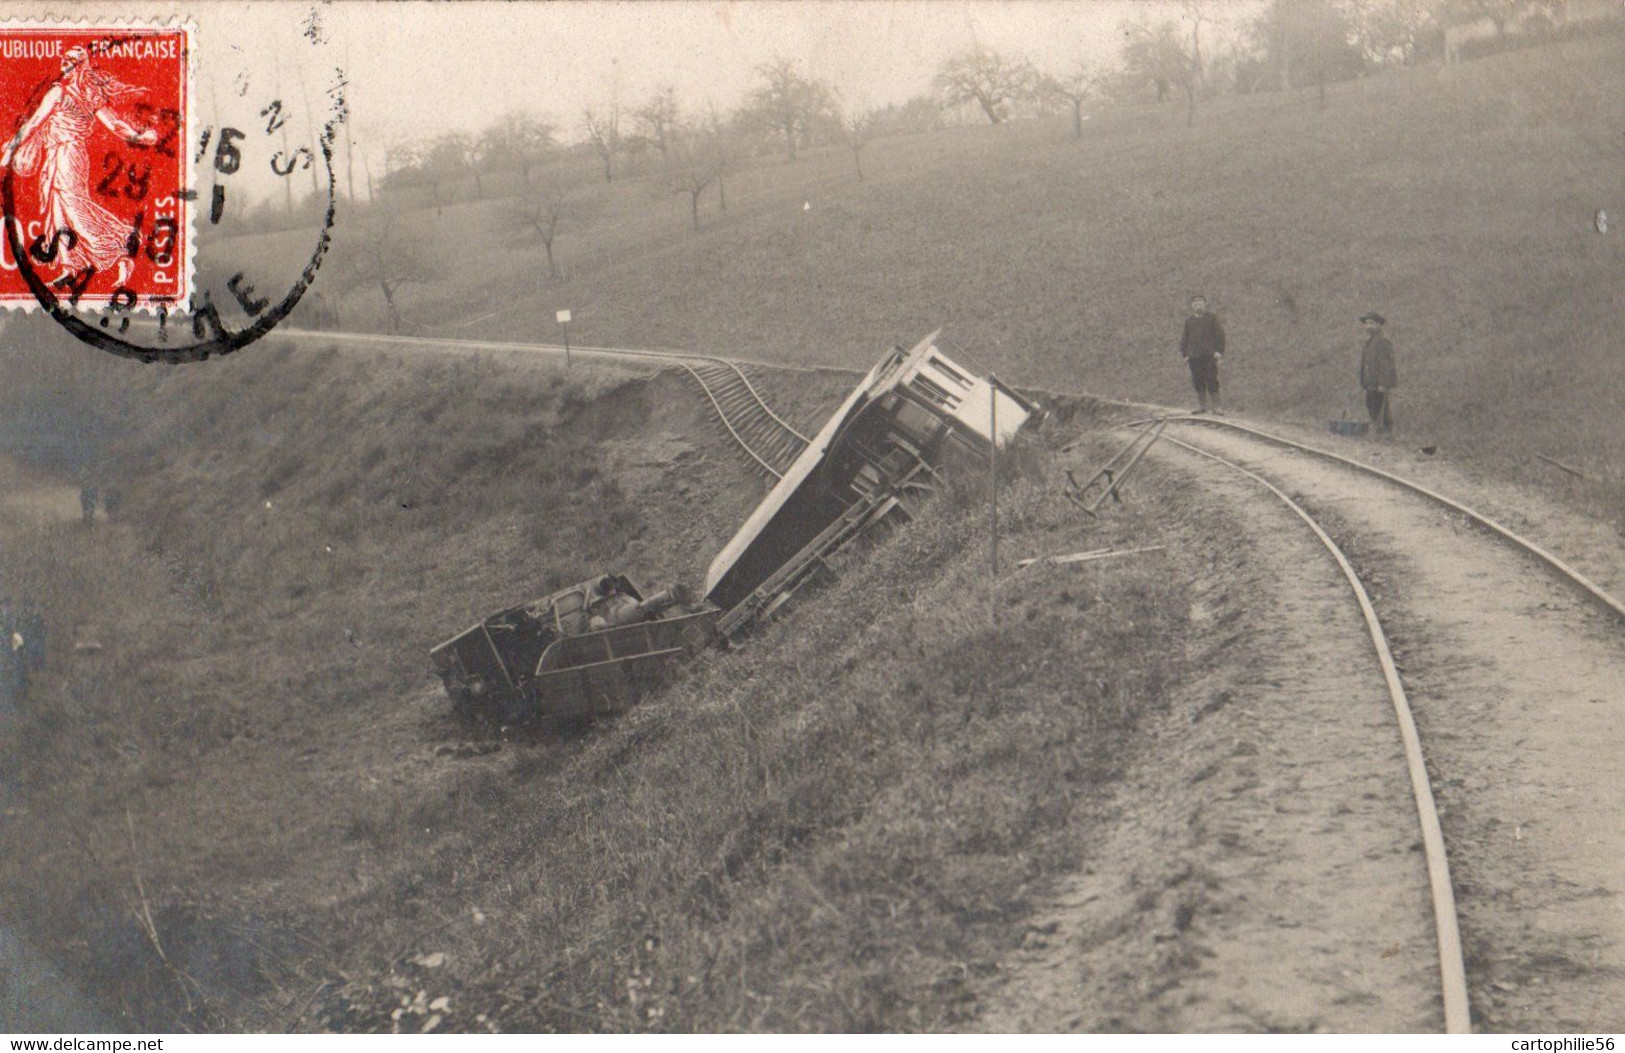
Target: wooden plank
column 1088, row 557
column 1555, row 463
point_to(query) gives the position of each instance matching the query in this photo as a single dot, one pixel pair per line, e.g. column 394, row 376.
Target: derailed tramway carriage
column 593, row 648
column 917, row 413
column 583, row 651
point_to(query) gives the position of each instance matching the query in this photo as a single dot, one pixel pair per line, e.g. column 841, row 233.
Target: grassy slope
column 1457, row 202
column 856, row 839
column 797, row 837
column 300, row 527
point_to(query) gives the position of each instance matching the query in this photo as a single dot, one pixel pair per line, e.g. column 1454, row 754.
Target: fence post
column 993, row 496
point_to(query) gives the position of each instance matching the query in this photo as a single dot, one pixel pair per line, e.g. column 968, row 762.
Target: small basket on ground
column 1349, row 427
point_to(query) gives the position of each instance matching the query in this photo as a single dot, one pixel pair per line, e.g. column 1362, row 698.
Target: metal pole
column 566, row 345
column 993, row 497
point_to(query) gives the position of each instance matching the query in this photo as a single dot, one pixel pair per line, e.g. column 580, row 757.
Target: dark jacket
column 1203, row 338
column 1377, row 369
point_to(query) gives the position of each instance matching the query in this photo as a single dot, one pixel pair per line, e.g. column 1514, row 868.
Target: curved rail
column 780, row 421
column 1596, row 591
column 746, row 416
column 1452, row 970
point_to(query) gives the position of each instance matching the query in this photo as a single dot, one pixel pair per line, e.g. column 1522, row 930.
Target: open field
column 1459, row 202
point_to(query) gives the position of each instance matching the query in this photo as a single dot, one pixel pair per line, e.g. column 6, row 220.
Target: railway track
column 772, row 444
column 1452, row 972
column 1563, row 569
column 1447, row 927
column 769, row 441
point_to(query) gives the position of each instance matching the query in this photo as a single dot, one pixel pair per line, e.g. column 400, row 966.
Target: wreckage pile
column 593, row 648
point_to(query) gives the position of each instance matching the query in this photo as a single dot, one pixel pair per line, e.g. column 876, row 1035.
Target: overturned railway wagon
column 593, row 648
column 583, row 651
column 914, row 415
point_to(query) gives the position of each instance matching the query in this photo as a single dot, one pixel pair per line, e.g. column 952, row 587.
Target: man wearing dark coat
column 1378, row 374
column 1202, row 348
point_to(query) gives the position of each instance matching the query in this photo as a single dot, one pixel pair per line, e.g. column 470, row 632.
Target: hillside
column 259, row 753
column 1458, row 201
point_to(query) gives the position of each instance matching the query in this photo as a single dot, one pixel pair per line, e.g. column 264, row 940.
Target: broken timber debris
column 1087, row 557
column 1555, row 463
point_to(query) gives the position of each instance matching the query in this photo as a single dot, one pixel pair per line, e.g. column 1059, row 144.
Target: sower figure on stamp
column 1202, row 348
column 55, row 143
column 1378, row 374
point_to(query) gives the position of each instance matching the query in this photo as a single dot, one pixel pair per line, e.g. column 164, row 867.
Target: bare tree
column 693, row 165
column 446, row 159
column 399, row 159
column 603, row 126
column 859, row 128
column 412, row 165
column 1309, row 42
column 1389, row 31
column 1499, row 12
column 1195, row 14
column 517, row 141
column 541, row 206
column 789, row 102
column 987, row 78
column 1160, row 53
column 382, row 252
column 658, row 118
column 1074, row 88
column 727, row 145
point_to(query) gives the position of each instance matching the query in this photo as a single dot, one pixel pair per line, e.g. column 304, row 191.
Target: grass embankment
column 1458, row 202
column 839, row 827
column 298, row 529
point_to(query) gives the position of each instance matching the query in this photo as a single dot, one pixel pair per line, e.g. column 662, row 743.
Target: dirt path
column 1263, row 872
column 1272, row 823
column 1518, row 685
column 28, row 500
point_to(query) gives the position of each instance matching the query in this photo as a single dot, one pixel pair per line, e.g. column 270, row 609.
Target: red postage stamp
column 95, row 172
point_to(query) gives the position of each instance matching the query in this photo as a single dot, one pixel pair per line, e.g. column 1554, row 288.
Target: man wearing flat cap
column 1378, row 374
column 1201, row 345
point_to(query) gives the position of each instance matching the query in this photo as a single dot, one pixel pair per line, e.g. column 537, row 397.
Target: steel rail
column 1597, row 592
column 722, row 415
column 1452, row 969
column 780, row 421
column 1114, row 482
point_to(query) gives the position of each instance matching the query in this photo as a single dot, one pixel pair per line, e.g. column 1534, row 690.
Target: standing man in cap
column 1202, row 348
column 1378, row 374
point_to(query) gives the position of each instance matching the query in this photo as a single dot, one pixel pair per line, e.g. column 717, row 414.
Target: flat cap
column 1373, row 316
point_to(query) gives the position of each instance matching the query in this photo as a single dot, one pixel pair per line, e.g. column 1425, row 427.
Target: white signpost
column 564, row 320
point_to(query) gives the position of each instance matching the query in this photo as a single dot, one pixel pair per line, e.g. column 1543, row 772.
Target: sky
column 558, row 58
column 415, row 70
